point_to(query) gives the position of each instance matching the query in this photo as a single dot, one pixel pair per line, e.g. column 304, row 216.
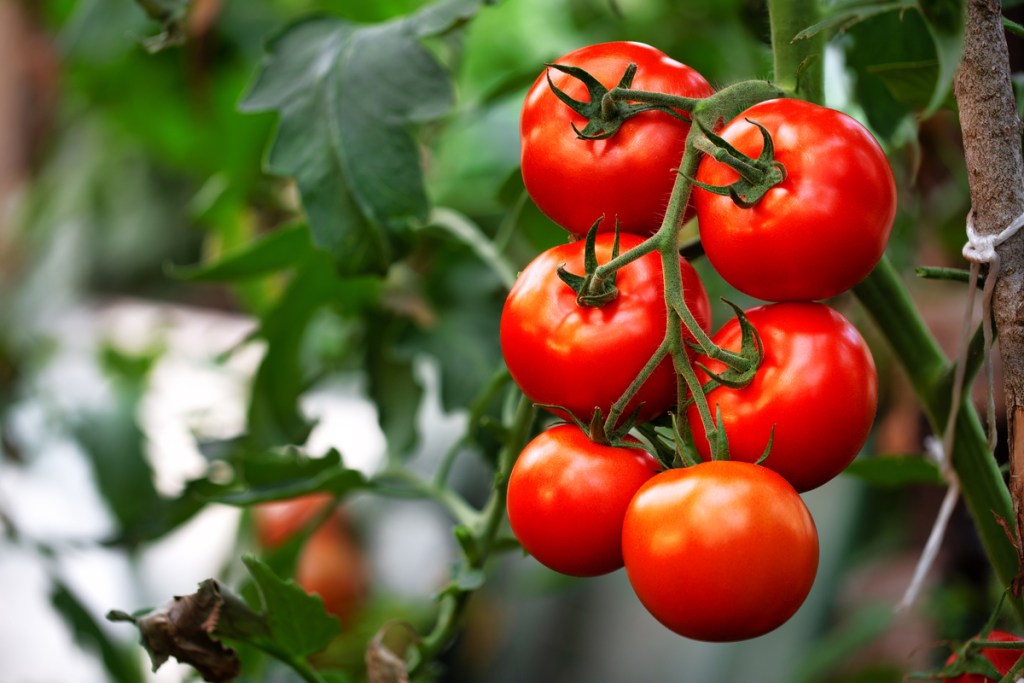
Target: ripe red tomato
column 331, row 565
column 823, row 228
column 817, row 386
column 720, row 551
column 1002, row 660
column 276, row 522
column 628, row 175
column 582, row 357
column 567, row 496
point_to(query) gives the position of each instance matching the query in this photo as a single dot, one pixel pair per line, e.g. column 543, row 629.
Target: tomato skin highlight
column 1002, row 660
column 720, row 551
column 567, row 497
column 818, row 232
column 584, row 357
column 817, row 386
column 628, row 176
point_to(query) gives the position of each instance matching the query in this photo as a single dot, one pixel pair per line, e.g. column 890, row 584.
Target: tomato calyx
column 607, row 110
column 968, row 658
column 592, row 288
column 757, row 176
column 597, row 429
column 740, row 367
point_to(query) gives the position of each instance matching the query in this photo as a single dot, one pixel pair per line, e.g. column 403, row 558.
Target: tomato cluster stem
column 706, row 113
column 648, row 97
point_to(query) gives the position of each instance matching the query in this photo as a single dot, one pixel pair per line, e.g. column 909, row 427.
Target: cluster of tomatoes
column 724, row 549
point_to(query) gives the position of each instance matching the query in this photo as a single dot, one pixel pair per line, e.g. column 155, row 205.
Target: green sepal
column 741, row 367
column 663, row 452
column 589, row 290
column 767, row 448
column 686, row 452
column 757, row 176
column 719, row 442
column 604, row 116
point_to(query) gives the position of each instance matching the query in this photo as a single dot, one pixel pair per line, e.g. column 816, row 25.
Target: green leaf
column 945, row 21
column 467, row 579
column 280, row 249
column 894, row 38
column 393, row 386
column 121, row 664
column 893, row 471
column 274, row 415
column 347, row 96
column 115, row 446
column 163, row 517
column 847, row 15
column 299, row 623
column 263, row 477
column 912, row 84
column 469, row 233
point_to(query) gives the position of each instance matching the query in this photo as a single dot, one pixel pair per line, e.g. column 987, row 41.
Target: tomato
column 628, row 176
column 276, row 522
column 582, row 357
column 817, row 386
column 331, row 565
column 1002, row 660
column 567, row 496
column 823, row 228
column 720, row 551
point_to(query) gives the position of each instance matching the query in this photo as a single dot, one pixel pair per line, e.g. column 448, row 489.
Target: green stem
column 699, row 398
column 951, row 274
column 497, row 382
column 299, row 666
column 664, row 99
column 485, row 532
column 725, row 104
column 410, row 484
column 620, row 405
column 606, row 270
column 799, row 65
column 885, row 297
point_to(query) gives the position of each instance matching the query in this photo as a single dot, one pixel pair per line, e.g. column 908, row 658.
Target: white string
column 940, row 456
column 978, row 250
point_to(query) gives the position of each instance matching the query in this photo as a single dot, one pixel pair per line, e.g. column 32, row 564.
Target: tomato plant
column 584, row 357
column 818, row 232
column 720, row 551
column 628, row 176
column 814, row 396
column 372, row 250
column 1002, row 660
column 567, row 496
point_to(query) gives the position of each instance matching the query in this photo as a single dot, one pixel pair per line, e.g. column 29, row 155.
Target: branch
column 991, row 131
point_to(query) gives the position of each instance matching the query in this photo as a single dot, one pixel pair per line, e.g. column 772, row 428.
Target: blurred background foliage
column 133, row 177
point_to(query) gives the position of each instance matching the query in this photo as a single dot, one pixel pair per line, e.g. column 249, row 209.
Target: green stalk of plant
column 478, row 542
column 705, row 113
column 884, row 295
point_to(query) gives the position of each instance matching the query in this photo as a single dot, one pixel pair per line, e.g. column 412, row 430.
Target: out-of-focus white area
column 194, row 388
